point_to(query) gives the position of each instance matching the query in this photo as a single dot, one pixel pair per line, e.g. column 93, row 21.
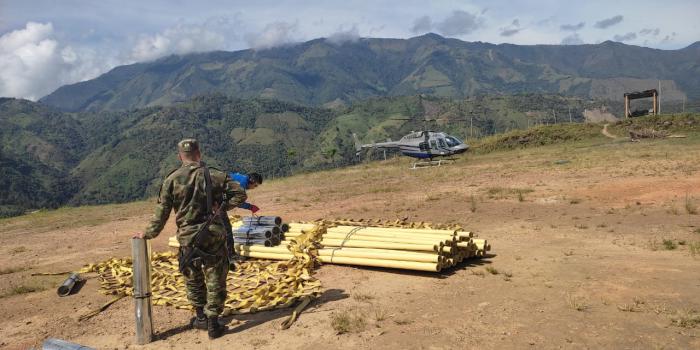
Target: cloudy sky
column 45, row 43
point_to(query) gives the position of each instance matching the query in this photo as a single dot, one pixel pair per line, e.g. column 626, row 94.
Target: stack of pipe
column 260, row 230
column 402, row 248
column 267, row 231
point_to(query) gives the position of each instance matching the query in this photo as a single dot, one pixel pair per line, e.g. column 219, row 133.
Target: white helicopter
column 423, row 145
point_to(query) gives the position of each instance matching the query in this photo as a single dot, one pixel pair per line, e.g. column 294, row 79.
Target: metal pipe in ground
column 141, row 252
column 58, row 344
column 67, row 286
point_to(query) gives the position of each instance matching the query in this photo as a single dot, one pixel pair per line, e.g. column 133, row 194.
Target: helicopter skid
column 431, row 163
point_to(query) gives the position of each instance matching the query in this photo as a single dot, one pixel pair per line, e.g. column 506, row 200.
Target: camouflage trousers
column 206, row 286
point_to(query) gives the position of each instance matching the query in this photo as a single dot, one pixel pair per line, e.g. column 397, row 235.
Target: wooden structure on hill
column 653, row 93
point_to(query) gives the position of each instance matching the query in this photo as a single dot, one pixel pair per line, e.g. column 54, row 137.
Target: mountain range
column 325, row 73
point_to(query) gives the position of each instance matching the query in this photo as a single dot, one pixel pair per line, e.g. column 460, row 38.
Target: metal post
column 658, row 103
column 471, row 124
column 141, row 252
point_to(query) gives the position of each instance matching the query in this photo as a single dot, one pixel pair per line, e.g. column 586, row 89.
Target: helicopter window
column 453, row 141
column 433, row 144
column 423, row 146
column 442, row 143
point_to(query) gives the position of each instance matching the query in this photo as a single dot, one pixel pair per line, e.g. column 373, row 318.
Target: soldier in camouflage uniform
column 184, row 191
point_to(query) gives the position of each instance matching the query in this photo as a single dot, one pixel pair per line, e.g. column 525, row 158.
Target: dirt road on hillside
column 597, row 254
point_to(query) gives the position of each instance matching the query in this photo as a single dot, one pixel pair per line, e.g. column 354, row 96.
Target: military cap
column 188, row 146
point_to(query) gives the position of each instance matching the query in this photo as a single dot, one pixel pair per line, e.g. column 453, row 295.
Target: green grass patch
column 669, row 244
column 538, row 136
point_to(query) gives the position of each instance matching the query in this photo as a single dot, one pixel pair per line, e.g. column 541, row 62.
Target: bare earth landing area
column 596, row 245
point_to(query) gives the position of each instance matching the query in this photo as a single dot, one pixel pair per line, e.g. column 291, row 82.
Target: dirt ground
column 596, row 245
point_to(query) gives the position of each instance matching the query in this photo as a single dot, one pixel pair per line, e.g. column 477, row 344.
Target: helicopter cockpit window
column 442, row 144
column 453, row 141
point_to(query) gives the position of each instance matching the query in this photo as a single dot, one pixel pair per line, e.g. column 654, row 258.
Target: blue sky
column 45, row 44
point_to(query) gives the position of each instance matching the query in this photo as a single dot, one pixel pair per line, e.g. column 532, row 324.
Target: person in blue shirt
column 247, row 182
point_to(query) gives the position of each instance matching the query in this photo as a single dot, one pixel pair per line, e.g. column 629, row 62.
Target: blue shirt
column 242, row 180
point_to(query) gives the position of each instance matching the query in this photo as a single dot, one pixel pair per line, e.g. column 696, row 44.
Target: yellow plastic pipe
column 395, row 264
column 384, row 239
column 378, row 254
column 391, row 234
column 262, row 249
column 414, row 230
column 272, row 256
column 382, row 245
column 387, row 251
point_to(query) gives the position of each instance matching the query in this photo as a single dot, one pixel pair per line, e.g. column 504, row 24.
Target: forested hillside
column 50, row 158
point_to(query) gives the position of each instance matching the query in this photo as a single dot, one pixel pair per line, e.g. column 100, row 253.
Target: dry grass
column 492, row 270
column 9, row 270
column 576, row 303
column 507, row 192
column 686, row 318
column 23, row 289
column 348, row 322
column 17, row 250
column 694, row 249
column 690, row 207
column 363, row 297
column 472, row 203
column 380, row 314
column 634, row 306
column 479, row 273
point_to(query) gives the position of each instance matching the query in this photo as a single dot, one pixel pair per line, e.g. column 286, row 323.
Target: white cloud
column 460, row 23
column 274, row 34
column 608, row 22
column 33, row 62
column 650, row 31
column 573, row 39
column 180, row 39
column 512, row 29
column 572, row 27
column 422, row 25
column 626, row 37
column 345, row 35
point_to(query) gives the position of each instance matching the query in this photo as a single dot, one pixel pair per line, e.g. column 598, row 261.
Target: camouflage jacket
column 184, row 191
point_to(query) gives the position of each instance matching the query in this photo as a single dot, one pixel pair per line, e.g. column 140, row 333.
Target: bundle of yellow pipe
column 392, row 247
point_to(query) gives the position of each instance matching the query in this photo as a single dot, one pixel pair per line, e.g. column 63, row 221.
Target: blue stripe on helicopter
column 418, row 155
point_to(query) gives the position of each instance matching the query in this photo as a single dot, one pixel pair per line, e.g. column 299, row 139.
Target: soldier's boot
column 199, row 321
column 215, row 329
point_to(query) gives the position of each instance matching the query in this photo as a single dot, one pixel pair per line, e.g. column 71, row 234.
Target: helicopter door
column 442, row 143
column 433, row 145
